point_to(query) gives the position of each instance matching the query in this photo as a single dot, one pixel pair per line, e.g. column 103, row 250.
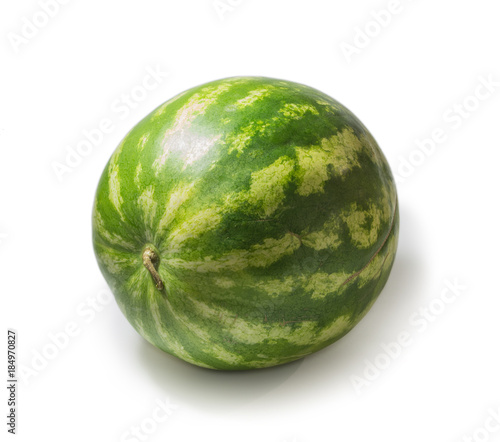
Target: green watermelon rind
column 274, row 213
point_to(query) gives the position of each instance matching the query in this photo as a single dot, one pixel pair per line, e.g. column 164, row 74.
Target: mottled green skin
column 274, row 214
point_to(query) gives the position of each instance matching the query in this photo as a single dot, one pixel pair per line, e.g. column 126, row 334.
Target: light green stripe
column 259, row 255
column 302, row 333
column 378, row 264
column 114, row 189
column 328, row 237
column 161, row 110
column 202, row 222
column 168, row 340
column 290, row 111
column 136, row 283
column 294, row 111
column 252, row 97
column 196, row 106
column 242, row 138
column 338, row 153
column 176, row 199
column 148, row 207
column 137, row 176
column 115, row 262
column 267, row 187
column 142, row 142
column 211, row 347
column 321, row 284
column 365, row 224
column 335, row 329
column 112, row 238
column 279, row 287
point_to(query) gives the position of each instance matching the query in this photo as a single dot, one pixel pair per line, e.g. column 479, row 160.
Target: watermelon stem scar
column 149, row 259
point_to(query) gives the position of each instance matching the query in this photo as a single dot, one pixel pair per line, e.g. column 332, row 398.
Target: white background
column 409, row 82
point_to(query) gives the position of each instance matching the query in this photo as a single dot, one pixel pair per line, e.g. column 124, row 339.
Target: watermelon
column 246, row 223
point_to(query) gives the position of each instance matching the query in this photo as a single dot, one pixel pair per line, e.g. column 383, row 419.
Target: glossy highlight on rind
column 273, row 213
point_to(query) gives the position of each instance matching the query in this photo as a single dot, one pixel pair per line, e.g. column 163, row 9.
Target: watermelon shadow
column 404, row 292
column 205, row 388
column 325, row 372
